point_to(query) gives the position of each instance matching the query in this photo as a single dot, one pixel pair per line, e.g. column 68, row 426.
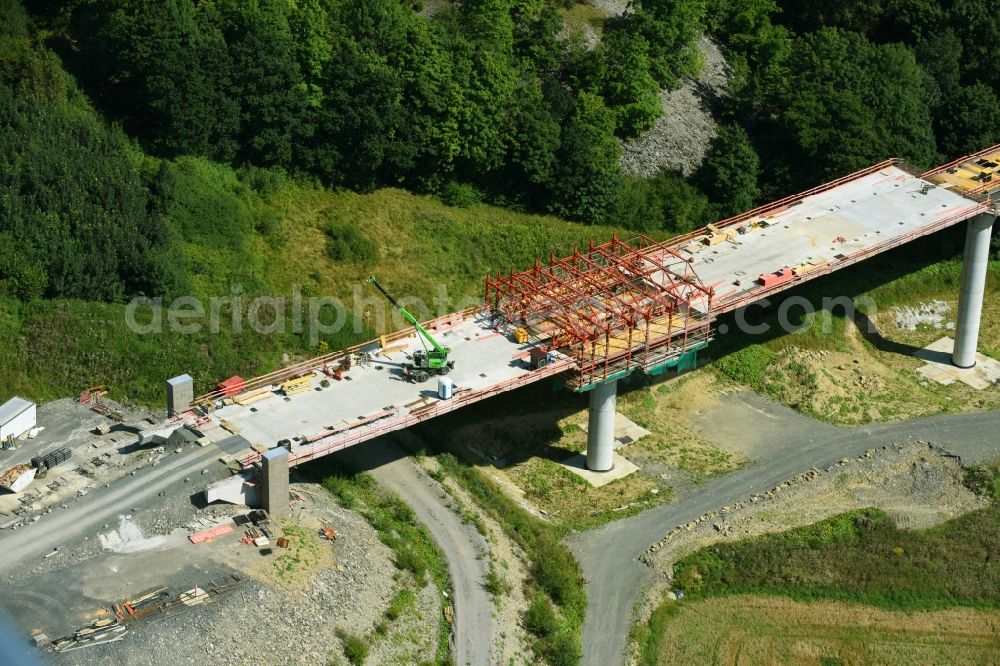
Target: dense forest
column 489, row 101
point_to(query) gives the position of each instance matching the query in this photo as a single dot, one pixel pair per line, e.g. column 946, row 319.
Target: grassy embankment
column 266, row 233
column 525, row 436
column 415, row 554
column 555, row 588
column 849, row 589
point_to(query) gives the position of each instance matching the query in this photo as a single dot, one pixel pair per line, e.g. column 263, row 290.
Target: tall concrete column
column 601, row 427
column 970, row 298
column 274, row 494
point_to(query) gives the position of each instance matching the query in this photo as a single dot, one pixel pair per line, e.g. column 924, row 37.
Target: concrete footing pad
column 626, row 430
column 578, row 465
column 940, row 369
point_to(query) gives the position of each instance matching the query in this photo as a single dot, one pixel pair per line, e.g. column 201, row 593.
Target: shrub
column 340, row 487
column 459, row 194
column 409, row 559
column 558, row 573
column 402, row 600
column 268, row 223
column 746, row 365
column 265, row 182
column 348, row 245
column 541, row 617
column 355, row 647
column 984, row 480
column 563, row 648
column 495, row 583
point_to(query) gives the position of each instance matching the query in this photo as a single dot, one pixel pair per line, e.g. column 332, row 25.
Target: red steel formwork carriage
column 614, row 308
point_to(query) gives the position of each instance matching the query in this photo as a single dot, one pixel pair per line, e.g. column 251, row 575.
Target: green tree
column 536, row 38
column 391, row 105
column 846, row 104
column 970, row 121
column 628, row 87
column 588, row 182
column 487, row 83
column 756, row 50
column 670, row 27
column 489, row 23
column 24, row 64
column 162, row 68
column 805, row 16
column 977, row 23
column 356, row 128
column 268, row 85
column 75, row 218
column 729, row 174
column 534, row 142
column 941, row 56
column 910, row 21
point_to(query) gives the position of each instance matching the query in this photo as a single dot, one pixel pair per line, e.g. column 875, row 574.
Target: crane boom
column 409, row 317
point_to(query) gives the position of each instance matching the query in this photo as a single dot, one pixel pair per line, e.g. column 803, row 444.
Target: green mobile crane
column 426, row 362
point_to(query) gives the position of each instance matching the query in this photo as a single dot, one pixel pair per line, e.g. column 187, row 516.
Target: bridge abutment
column 970, row 298
column 601, row 427
column 274, row 494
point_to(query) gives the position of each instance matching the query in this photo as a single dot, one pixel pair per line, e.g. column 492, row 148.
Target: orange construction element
column 232, row 386
column 211, row 533
column 776, row 278
column 613, row 308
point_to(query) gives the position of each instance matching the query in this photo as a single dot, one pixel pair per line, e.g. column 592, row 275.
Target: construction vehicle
column 426, row 361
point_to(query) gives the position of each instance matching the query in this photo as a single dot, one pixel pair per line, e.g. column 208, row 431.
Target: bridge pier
column 601, row 427
column 274, row 494
column 970, row 298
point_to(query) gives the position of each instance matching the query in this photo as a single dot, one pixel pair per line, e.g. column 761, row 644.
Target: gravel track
column 101, row 506
column 463, row 546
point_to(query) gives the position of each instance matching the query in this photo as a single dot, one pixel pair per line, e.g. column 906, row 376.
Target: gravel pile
column 918, row 485
column 681, row 137
column 266, row 621
column 927, row 314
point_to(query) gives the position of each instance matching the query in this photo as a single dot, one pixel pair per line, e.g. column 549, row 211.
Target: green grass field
column 859, row 556
column 750, row 630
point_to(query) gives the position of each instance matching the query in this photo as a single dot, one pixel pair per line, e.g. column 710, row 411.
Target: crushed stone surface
column 681, row 137
column 918, row 485
column 934, row 314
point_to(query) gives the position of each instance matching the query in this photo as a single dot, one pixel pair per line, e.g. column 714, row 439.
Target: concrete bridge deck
column 323, row 420
column 798, row 238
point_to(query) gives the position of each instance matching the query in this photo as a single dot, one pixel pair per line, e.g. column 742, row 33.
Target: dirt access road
column 463, row 546
column 609, row 555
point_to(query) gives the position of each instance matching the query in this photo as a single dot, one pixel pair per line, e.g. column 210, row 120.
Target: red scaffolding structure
column 614, row 308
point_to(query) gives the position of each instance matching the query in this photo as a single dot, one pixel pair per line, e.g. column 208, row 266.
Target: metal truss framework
column 617, row 307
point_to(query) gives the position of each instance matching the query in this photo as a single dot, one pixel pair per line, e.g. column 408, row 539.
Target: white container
column 17, row 416
column 446, row 388
column 17, row 478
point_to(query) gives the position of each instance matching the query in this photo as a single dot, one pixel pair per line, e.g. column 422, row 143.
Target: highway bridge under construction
column 598, row 315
